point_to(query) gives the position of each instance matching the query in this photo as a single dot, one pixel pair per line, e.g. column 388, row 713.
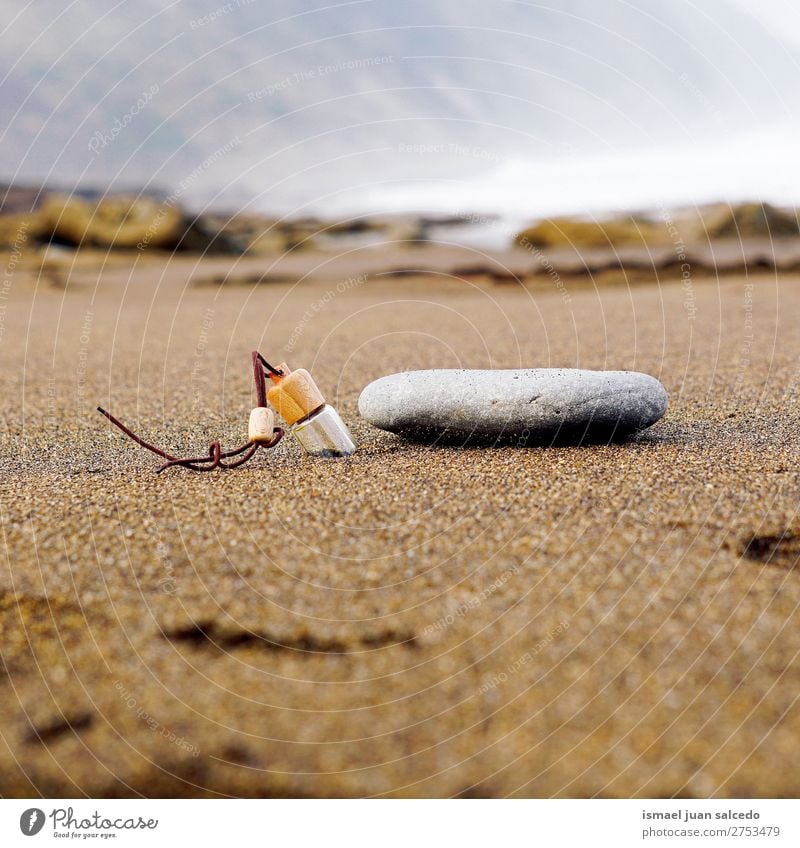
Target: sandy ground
column 611, row 620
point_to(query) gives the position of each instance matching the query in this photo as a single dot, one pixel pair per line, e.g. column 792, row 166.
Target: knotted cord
column 216, row 456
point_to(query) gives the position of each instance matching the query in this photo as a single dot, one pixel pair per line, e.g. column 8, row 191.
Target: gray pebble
column 529, row 405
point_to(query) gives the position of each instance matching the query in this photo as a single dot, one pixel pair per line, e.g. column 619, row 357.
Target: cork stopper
column 261, row 426
column 294, row 394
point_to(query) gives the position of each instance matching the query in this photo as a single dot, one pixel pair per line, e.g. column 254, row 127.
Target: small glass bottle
column 317, row 426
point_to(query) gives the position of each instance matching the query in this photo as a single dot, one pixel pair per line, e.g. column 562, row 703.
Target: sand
column 413, row 621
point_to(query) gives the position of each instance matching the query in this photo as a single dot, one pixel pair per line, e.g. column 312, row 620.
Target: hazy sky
column 781, row 17
column 356, row 104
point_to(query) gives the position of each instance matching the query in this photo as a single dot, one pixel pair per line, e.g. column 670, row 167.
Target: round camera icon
column 31, row 821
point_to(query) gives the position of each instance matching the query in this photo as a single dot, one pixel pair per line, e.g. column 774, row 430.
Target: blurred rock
column 689, row 226
column 753, row 220
column 19, row 229
column 576, row 232
column 114, row 222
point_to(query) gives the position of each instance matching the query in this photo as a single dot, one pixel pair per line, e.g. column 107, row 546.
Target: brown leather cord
column 276, row 371
column 260, row 367
column 260, row 380
column 216, row 456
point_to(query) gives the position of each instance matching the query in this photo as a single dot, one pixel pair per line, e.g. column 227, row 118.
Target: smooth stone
column 524, row 404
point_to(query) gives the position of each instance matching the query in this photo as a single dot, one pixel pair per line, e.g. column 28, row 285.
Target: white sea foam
column 759, row 164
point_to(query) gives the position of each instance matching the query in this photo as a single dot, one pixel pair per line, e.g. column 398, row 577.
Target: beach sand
column 414, row 621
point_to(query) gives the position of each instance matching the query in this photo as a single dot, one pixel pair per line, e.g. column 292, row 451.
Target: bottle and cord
column 295, row 396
